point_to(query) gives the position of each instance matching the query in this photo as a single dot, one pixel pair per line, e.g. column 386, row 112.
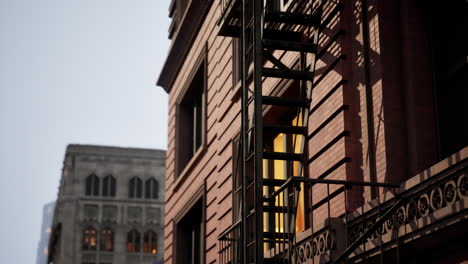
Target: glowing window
column 150, row 242
column 89, row 239
column 107, row 240
column 133, row 241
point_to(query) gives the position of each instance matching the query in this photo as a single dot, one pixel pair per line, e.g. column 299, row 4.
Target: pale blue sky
column 72, row 71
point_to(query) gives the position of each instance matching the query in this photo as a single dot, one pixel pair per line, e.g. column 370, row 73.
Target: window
column 149, row 242
column 151, row 191
column 133, row 241
column 190, row 236
column 89, row 239
column 237, row 178
column 92, row 185
column 236, row 61
column 108, row 186
column 134, row 188
column 450, row 49
column 107, row 240
column 191, row 119
column 279, row 169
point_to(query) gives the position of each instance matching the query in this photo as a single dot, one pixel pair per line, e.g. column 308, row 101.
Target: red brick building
column 317, row 131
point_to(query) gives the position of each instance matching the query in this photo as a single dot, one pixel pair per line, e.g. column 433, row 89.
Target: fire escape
column 266, row 229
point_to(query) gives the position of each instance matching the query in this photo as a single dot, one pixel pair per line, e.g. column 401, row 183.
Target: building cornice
column 155, row 154
column 183, row 41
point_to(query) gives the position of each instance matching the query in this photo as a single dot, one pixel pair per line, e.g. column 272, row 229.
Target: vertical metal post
column 381, row 230
column 244, row 127
column 346, row 217
column 396, row 227
column 258, row 126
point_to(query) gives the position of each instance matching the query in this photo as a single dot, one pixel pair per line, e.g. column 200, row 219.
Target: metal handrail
column 297, row 179
column 229, row 230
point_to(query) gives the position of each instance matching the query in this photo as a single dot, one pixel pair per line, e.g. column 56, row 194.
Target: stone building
column 46, row 228
column 308, row 131
column 110, row 207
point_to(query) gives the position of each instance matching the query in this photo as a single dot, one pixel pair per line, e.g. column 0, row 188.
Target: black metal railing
column 230, row 245
column 324, row 204
column 431, row 199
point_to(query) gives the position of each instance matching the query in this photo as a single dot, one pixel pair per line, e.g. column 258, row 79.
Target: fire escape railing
column 230, row 244
column 326, row 205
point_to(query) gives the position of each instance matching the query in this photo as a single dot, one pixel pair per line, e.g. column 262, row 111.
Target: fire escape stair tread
column 277, row 235
column 285, row 101
column 289, row 45
column 274, row 260
column 287, row 74
column 302, row 130
column 292, row 18
column 273, row 182
column 278, row 209
column 283, row 156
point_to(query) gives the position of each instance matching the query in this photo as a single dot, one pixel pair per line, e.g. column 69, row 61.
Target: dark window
column 190, row 236
column 191, row 119
column 133, row 241
column 108, row 186
column 107, row 239
column 151, row 191
column 236, row 61
column 135, row 188
column 89, row 239
column 149, row 242
column 451, row 74
column 237, row 178
column 92, row 185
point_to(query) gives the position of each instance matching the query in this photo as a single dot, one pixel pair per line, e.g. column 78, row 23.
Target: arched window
column 92, row 185
column 89, row 239
column 150, row 242
column 133, row 241
column 108, row 186
column 151, row 187
column 134, row 188
column 107, row 239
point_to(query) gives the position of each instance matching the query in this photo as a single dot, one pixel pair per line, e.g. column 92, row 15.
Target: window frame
column 92, row 185
column 135, row 184
column 151, row 189
column 135, row 241
column 182, row 170
column 198, row 197
column 150, row 237
column 86, row 246
column 104, row 239
column 109, row 186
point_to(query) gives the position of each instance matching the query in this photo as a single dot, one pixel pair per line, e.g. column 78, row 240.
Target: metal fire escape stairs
column 266, row 33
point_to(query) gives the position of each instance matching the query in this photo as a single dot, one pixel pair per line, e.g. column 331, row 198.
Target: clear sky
column 72, row 71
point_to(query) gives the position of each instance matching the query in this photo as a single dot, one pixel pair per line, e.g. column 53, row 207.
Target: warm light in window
column 153, row 251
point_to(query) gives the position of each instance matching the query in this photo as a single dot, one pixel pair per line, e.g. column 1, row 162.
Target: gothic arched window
column 89, row 239
column 134, row 188
column 107, row 239
column 108, row 186
column 92, row 185
column 150, row 242
column 133, row 241
column 151, row 187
